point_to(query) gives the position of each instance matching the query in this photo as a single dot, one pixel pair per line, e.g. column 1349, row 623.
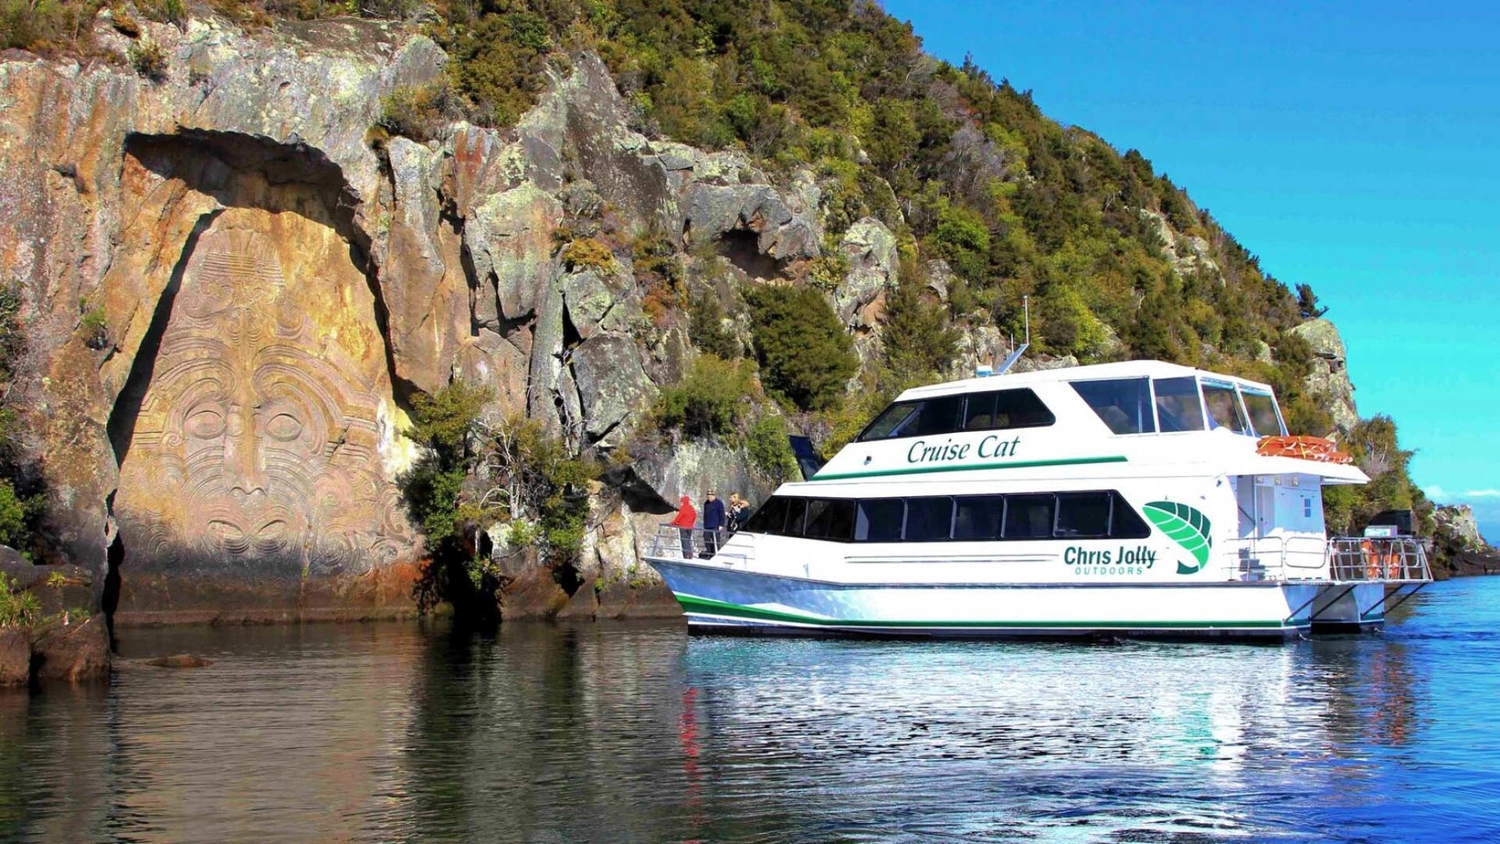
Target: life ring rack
column 1303, row 448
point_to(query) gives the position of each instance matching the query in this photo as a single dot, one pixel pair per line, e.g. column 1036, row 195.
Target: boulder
column 15, row 657
column 180, row 661
column 1456, row 526
column 72, row 651
column 509, row 241
column 612, row 386
column 532, row 594
column 871, row 250
column 1329, row 377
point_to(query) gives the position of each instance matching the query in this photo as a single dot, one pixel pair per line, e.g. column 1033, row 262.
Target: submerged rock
column 180, row 661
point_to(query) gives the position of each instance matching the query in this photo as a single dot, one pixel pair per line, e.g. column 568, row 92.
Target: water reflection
column 398, row 732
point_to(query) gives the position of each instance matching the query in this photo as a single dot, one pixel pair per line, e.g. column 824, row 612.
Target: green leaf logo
column 1188, row 527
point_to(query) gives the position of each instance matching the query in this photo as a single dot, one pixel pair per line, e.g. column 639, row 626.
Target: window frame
column 1245, row 390
column 1150, row 398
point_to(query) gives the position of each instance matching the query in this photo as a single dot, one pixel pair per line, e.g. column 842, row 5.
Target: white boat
column 1134, row 499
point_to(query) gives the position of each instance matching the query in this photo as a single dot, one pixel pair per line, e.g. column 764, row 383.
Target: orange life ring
column 1303, row 448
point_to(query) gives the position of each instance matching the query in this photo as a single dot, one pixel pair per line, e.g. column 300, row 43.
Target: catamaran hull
column 718, row 599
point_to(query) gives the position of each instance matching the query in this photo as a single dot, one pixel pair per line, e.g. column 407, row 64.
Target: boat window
column 978, row 517
column 879, row 520
column 979, row 413
column 830, row 518
column 1028, row 516
column 1263, row 416
column 769, row 518
column 1006, row 409
column 929, row 519
column 1125, row 522
column 796, row 515
column 1223, row 404
column 889, row 423
column 1178, row 407
column 1083, row 515
column 989, row 411
column 937, row 416
column 923, row 418
column 1122, row 404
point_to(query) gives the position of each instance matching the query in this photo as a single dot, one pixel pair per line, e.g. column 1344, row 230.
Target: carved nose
column 242, row 453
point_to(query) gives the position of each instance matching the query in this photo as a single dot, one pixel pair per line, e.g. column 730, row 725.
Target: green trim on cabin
column 926, row 470
column 708, row 606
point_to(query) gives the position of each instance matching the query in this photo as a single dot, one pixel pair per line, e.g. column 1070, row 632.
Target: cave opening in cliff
column 250, row 427
column 741, row 247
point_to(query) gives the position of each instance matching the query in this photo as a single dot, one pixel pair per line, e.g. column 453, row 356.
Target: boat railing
column 1400, row 559
column 1277, row 558
column 1388, row 559
column 675, row 543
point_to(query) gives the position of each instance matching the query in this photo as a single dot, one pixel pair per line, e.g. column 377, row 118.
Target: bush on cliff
column 804, row 354
column 708, row 400
column 473, row 475
column 769, row 449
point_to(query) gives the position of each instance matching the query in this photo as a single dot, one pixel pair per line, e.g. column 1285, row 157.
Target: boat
column 1129, row 499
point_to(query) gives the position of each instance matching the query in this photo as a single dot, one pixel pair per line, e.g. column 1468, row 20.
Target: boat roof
column 1099, row 371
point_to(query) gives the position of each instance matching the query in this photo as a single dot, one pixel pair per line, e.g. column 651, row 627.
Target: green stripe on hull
column 706, row 606
column 927, row 470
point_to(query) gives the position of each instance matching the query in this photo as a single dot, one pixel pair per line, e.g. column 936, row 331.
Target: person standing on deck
column 713, row 522
column 687, row 517
column 737, row 507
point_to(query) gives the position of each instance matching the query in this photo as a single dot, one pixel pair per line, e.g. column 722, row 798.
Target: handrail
column 675, row 543
column 1399, row 559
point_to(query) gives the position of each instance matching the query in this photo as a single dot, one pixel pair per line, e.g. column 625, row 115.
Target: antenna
column 1016, row 353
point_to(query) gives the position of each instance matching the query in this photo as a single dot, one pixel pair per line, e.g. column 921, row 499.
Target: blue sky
column 1354, row 147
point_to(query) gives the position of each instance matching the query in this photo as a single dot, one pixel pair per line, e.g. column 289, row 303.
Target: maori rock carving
column 266, row 433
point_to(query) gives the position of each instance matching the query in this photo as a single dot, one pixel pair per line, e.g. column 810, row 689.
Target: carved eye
column 284, row 427
column 205, row 424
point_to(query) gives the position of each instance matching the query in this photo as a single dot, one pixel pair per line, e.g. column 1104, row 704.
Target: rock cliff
column 274, row 287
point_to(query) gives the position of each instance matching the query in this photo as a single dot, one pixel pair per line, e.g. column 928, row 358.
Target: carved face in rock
column 257, row 438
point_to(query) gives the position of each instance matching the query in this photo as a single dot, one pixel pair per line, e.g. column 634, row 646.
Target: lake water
column 406, row 732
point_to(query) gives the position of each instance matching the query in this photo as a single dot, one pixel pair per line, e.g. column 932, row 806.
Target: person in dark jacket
column 713, row 523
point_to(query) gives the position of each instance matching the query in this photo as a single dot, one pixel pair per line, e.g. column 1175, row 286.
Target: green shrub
column 707, row 401
column 149, row 60
column 95, row 328
column 589, row 253
column 706, row 328
column 419, row 113
column 444, row 423
column 803, row 351
column 769, row 449
column 18, row 608
column 918, row 341
column 13, row 517
column 164, row 11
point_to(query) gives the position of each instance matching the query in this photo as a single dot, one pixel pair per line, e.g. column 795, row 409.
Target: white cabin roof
column 1098, row 371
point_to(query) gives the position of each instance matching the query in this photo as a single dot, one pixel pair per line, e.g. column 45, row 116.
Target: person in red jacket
column 687, row 517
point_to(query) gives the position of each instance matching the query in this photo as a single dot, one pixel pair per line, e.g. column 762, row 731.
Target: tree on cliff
column 1307, row 303
column 803, row 351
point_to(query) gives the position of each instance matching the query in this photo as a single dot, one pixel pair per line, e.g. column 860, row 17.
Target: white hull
column 720, row 599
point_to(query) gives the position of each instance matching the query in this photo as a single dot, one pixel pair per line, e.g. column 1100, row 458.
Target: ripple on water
column 406, row 732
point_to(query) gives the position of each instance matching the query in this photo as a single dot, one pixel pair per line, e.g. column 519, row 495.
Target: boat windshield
column 1264, row 416
column 1177, row 404
column 1224, row 409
